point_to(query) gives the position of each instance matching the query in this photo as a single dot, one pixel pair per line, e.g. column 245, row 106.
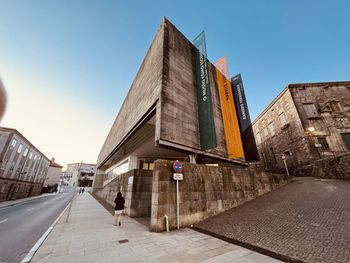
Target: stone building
column 23, row 167
column 306, row 122
column 159, row 116
column 54, row 174
column 80, row 174
column 158, row 123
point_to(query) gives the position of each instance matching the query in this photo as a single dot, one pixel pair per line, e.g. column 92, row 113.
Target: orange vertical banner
column 234, row 144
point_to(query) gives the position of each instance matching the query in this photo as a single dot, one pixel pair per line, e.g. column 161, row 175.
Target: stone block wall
column 179, row 115
column 285, row 138
column 205, row 191
column 12, row 190
column 329, row 168
column 332, row 117
column 137, row 194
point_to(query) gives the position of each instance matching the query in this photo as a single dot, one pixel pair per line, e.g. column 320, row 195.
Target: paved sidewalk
column 89, row 236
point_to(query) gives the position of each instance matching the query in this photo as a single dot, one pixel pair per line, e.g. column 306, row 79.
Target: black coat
column 119, row 203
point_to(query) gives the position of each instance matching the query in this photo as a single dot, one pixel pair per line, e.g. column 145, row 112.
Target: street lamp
column 311, row 129
column 285, row 163
column 311, row 134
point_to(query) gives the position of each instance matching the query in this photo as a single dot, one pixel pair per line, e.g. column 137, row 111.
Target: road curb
column 41, row 240
column 23, row 201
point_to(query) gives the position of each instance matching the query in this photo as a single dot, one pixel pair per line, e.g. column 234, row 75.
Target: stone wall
column 13, row 189
column 331, row 118
column 329, row 168
column 179, row 115
column 285, row 138
column 289, row 135
column 205, row 191
column 137, row 193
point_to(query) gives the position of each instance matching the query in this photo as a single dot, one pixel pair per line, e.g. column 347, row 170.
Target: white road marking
column 30, row 209
column 37, row 245
column 2, row 221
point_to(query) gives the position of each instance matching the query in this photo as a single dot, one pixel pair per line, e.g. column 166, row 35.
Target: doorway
column 346, row 140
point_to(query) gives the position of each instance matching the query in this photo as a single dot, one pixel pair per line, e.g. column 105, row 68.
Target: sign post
column 177, row 176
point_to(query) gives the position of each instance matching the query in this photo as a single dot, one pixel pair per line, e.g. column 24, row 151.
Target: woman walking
column 119, row 206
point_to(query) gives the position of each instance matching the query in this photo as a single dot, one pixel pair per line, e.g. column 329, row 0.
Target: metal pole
column 285, row 164
column 177, row 205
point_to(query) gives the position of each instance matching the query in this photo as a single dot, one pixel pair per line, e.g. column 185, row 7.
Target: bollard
column 166, row 223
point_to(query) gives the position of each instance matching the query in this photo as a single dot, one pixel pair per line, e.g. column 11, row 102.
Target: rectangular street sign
column 177, row 176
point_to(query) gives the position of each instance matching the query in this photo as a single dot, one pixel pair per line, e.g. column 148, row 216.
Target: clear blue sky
column 88, row 52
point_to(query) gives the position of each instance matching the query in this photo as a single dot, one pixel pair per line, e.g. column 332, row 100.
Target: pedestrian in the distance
column 119, row 206
column 82, row 191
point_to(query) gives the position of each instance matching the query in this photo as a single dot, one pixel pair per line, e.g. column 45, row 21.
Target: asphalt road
column 23, row 224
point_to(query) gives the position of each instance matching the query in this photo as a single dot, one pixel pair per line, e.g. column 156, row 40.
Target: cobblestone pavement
column 307, row 220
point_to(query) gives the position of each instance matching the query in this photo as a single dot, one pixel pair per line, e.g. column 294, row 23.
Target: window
column 282, row 118
column 145, row 166
column 35, row 156
column 30, row 155
column 151, row 166
column 310, row 110
column 258, row 138
column 335, row 106
column 20, row 147
column 12, row 167
column 324, row 144
column 266, row 133
column 346, row 140
column 3, row 165
column 271, row 129
column 25, row 152
column 2, row 189
column 13, row 143
column 273, row 155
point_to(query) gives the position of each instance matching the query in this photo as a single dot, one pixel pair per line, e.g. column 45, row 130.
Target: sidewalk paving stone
column 89, row 236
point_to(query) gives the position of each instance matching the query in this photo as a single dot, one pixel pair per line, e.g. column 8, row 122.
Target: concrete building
column 23, row 167
column 54, row 174
column 80, row 174
column 306, row 122
column 160, row 118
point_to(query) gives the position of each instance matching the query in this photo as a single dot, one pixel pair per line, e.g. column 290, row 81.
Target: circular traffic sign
column 177, row 166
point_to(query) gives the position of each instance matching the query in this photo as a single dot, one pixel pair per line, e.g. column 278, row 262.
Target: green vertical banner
column 205, row 108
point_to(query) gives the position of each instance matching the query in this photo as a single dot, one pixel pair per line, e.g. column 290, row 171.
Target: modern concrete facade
column 23, row 167
column 54, row 174
column 80, row 174
column 157, row 124
column 306, row 122
column 159, row 116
